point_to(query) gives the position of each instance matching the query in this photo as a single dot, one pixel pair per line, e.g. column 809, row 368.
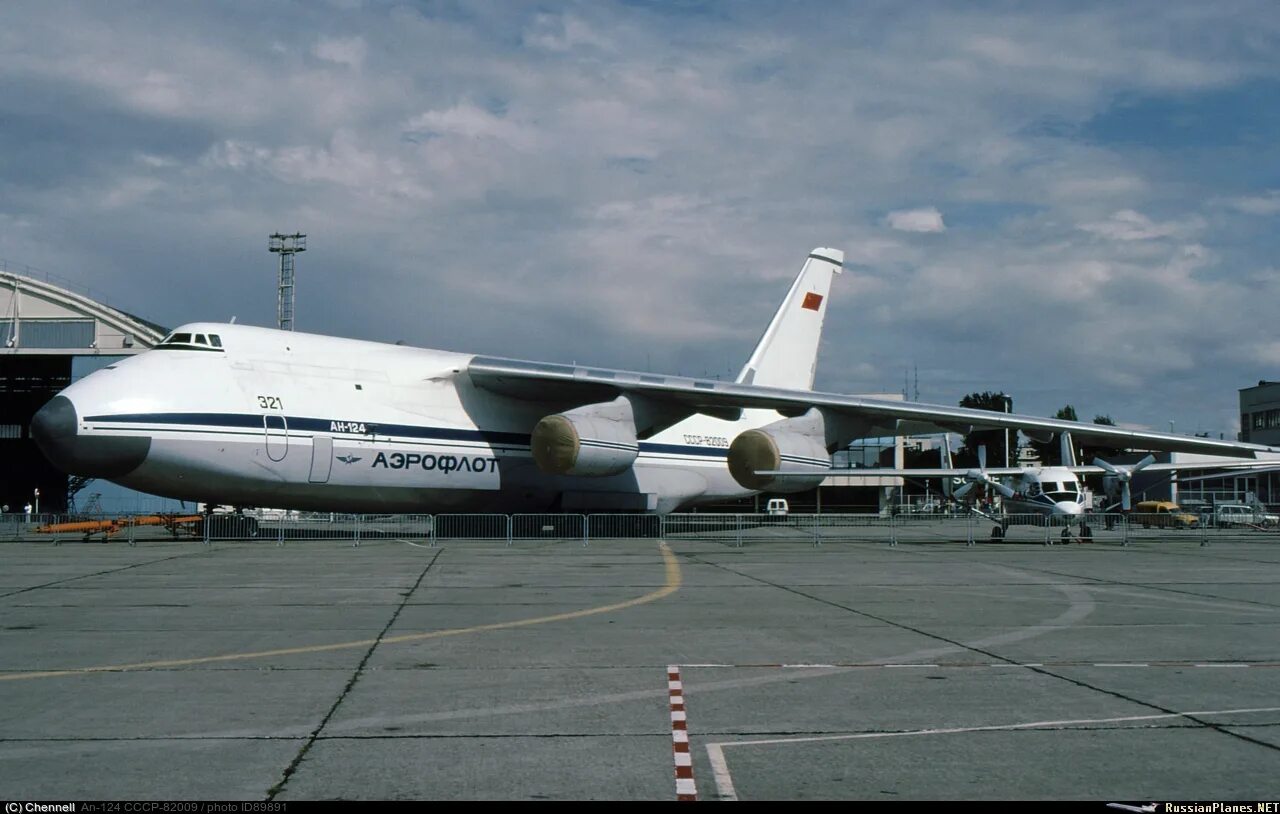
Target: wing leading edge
column 578, row 385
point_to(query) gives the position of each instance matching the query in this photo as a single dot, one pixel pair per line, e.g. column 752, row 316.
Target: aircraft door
column 321, row 458
column 276, row 428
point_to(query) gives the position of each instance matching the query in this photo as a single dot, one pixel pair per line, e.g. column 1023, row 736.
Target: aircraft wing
column 575, row 385
column 1250, row 466
column 1249, row 470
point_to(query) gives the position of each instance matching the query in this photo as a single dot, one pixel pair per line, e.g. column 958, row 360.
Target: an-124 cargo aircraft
column 244, row 416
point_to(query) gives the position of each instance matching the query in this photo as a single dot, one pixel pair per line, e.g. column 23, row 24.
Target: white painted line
column 685, row 786
column 1122, row 665
column 415, row 545
column 1001, row 727
column 684, row 759
column 720, row 768
column 679, row 736
column 1221, row 665
column 911, row 665
column 677, row 715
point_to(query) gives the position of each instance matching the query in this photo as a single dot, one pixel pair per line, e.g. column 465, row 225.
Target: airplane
column 1053, row 494
column 244, row 416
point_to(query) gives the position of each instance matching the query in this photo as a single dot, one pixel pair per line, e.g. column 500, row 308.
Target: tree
column 1087, row 454
column 994, row 440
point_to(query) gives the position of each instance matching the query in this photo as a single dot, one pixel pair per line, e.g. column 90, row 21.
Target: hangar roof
column 38, row 317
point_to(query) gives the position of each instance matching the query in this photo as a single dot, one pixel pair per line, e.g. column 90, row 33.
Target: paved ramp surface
column 629, row 670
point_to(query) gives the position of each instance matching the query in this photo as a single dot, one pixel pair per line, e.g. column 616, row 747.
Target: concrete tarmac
column 318, row 670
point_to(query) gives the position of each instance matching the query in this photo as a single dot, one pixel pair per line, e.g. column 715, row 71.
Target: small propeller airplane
column 1052, row 494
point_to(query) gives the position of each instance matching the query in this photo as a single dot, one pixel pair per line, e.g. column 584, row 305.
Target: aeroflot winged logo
column 812, row 301
column 349, row 459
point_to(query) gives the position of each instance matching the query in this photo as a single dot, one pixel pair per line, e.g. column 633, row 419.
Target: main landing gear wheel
column 997, row 533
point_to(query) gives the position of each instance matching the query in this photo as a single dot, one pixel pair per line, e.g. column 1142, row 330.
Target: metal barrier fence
column 727, row 529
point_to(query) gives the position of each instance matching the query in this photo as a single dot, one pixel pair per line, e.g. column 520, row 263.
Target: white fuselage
column 293, row 420
column 1051, row 491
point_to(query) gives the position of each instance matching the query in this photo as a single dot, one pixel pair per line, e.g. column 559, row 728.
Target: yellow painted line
column 673, row 582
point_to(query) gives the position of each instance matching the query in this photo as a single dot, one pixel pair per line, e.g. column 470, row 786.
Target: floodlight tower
column 286, row 246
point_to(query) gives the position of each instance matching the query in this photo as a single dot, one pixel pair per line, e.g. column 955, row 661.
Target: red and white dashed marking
column 686, row 789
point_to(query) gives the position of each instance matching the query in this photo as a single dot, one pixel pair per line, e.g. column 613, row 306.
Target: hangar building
column 45, row 330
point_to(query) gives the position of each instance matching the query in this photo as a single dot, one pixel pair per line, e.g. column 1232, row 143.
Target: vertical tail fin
column 787, row 354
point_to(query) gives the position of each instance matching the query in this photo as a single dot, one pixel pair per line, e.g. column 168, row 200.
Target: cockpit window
column 189, row 341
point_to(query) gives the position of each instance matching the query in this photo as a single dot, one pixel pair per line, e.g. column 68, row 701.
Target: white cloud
column 1268, row 204
column 928, row 219
column 555, row 32
column 1130, row 225
column 349, row 51
column 466, row 120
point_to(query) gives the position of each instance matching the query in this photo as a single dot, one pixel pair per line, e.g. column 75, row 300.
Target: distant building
column 1260, row 413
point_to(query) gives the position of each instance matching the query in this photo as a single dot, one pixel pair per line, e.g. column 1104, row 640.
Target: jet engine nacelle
column 790, row 445
column 592, row 441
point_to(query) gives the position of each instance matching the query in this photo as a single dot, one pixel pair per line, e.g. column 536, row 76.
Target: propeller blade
column 1143, row 464
column 966, row 489
column 1001, row 488
column 982, row 456
column 1124, row 496
column 1107, row 466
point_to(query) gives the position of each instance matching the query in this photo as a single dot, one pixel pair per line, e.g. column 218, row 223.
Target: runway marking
column 971, row 665
column 415, row 545
column 673, row 580
column 727, row 791
column 686, row 787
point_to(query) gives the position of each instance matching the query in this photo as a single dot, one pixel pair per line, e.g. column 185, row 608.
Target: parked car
column 1238, row 514
column 1164, row 514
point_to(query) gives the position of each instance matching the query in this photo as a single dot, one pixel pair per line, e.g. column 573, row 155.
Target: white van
column 776, row 507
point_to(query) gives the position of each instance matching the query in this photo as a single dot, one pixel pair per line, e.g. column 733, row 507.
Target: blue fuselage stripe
column 325, row 425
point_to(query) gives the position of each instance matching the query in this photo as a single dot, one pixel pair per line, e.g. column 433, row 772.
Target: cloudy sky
column 1070, row 202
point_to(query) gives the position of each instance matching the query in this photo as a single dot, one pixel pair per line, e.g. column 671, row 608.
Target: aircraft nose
column 55, row 428
column 1069, row 508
